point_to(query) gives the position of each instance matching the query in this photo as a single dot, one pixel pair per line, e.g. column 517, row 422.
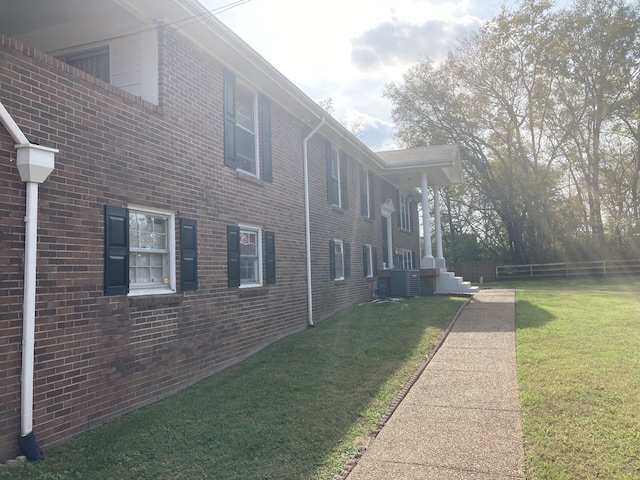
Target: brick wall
column 97, row 356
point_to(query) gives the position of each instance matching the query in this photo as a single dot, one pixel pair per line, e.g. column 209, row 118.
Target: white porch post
column 427, row 259
column 440, row 262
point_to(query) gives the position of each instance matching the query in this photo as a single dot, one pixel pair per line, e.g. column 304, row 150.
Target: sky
column 348, row 50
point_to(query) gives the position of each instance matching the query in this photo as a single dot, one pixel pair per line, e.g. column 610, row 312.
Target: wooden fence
column 568, row 270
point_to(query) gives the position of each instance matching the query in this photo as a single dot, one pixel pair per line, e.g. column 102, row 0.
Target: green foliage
column 544, row 106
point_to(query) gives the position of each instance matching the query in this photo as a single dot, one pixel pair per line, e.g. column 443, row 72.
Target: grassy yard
column 297, row 410
column 578, row 350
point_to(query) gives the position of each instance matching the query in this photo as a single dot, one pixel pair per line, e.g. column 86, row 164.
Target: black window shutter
column 347, row 260
column 374, row 260
column 229, row 119
column 233, row 255
column 270, row 240
column 365, row 261
column 188, row 254
column 363, row 192
column 267, row 167
column 372, row 211
column 414, row 264
column 116, row 250
column 399, row 210
column 332, row 259
column 331, row 193
column 344, row 181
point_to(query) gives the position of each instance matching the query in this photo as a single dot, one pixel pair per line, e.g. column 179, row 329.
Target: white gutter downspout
column 307, row 221
column 35, row 163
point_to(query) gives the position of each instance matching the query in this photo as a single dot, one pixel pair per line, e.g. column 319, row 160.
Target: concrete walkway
column 461, row 419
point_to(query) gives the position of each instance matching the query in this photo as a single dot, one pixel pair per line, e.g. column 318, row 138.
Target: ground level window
column 405, row 258
column 250, row 253
column 336, row 260
column 150, row 250
column 367, row 261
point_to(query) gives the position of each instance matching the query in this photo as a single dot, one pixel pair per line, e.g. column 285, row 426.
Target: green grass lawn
column 578, row 354
column 297, row 410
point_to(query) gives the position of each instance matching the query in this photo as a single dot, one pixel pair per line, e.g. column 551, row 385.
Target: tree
column 536, row 117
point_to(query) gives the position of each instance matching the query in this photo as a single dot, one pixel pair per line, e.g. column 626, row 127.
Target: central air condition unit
column 404, row 283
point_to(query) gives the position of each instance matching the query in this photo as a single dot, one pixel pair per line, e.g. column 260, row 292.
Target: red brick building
column 199, row 208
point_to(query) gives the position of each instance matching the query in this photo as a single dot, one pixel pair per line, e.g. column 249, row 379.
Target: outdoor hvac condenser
column 404, row 283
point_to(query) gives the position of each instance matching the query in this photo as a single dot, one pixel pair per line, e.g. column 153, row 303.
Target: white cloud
column 349, row 49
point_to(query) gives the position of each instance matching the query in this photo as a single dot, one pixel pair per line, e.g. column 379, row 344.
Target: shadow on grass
column 292, row 411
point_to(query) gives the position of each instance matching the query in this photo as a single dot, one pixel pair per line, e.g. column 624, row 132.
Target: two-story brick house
column 198, row 207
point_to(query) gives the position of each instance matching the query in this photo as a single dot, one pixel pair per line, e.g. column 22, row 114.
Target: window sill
column 338, row 209
column 340, row 282
column 368, row 219
column 251, row 292
column 247, row 177
column 156, row 301
column 405, row 231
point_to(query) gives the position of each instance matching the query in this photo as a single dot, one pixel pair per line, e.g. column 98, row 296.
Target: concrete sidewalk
column 461, row 419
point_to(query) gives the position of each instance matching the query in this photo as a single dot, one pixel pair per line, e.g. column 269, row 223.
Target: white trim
column 256, row 139
column 335, row 243
column 369, row 260
column 259, row 233
column 171, row 243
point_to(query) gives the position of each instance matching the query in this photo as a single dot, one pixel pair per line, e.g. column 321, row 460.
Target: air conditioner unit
column 404, row 283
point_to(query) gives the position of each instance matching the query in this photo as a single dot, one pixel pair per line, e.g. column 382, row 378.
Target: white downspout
column 305, row 161
column 35, row 163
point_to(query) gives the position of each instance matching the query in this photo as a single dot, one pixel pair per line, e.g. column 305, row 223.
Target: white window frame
column 405, row 213
column 366, row 191
column 337, row 242
column 406, row 258
column 369, row 260
column 256, row 146
column 258, row 259
column 335, row 174
column 169, row 285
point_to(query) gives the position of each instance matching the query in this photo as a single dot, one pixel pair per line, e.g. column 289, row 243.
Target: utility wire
column 189, row 20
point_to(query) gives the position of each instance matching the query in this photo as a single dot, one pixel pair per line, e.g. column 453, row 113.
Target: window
column 241, row 128
column 367, row 261
column 250, row 257
column 405, row 258
column 244, row 256
column 149, row 247
column 336, row 177
column 366, row 193
column 404, row 214
column 140, row 251
column 339, row 260
column 94, row 62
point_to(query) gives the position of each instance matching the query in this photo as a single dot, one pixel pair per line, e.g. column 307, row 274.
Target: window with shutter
column 139, row 251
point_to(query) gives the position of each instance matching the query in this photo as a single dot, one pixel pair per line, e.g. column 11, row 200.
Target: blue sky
column 350, row 49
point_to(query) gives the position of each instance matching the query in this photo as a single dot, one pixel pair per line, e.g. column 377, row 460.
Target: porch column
column 440, row 262
column 427, row 259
